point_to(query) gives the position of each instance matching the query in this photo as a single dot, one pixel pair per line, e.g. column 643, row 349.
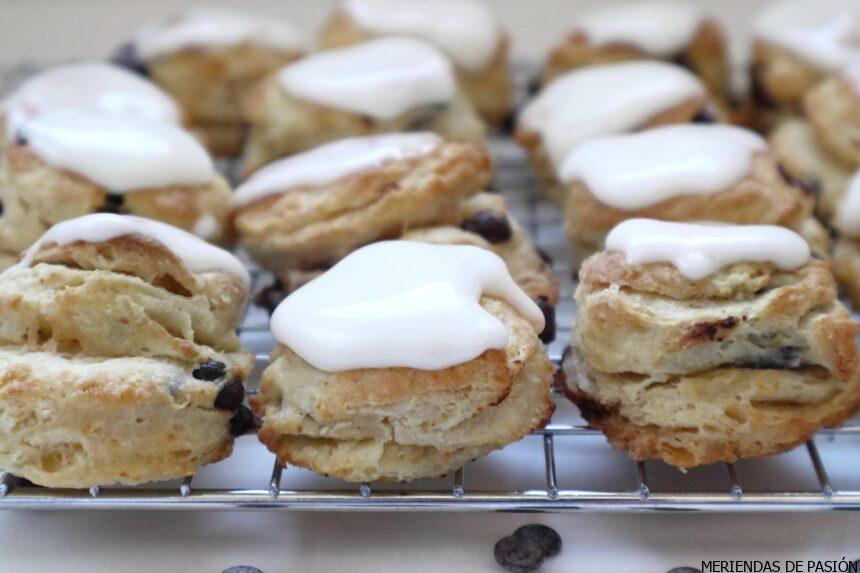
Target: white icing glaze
column 824, row 32
column 195, row 253
column 332, row 161
column 605, row 99
column 847, row 217
column 401, row 303
column 635, row 171
column 660, row 27
column 121, row 154
column 381, row 78
column 464, row 29
column 216, row 27
column 701, row 249
column 88, row 86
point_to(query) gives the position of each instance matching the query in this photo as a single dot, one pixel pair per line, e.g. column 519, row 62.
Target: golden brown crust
column 781, row 76
column 403, row 423
column 281, row 124
column 833, row 110
column 310, row 227
column 762, row 197
column 490, row 89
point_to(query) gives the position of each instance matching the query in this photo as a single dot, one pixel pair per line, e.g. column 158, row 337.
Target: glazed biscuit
column 403, row 422
column 666, row 30
column 750, row 360
column 120, row 362
column 833, row 111
column 478, row 49
column 307, row 226
column 44, row 181
column 300, row 107
column 602, row 100
column 209, row 60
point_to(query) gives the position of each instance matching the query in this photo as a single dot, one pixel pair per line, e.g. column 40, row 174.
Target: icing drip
column 401, row 303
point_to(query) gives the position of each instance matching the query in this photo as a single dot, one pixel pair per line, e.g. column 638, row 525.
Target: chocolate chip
column 112, row 203
column 210, row 370
column 21, row 138
column 491, row 225
column 705, row 115
column 242, row 421
column 527, row 548
column 242, row 569
column 547, row 335
column 126, row 56
column 544, row 256
column 230, row 396
column 684, row 570
column 271, row 296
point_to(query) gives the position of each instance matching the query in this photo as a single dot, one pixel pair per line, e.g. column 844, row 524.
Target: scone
column 66, row 164
column 380, row 86
column 680, row 173
column 846, row 252
column 668, row 30
column 603, row 100
column 833, row 110
column 209, row 59
column 796, row 44
column 436, row 362
column 697, row 343
column 464, row 29
column 307, row 211
column 118, row 354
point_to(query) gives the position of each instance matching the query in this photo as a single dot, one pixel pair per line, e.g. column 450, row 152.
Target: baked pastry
column 450, row 370
column 464, row 29
column 846, row 251
column 796, row 44
column 66, row 164
column 118, row 354
column 87, row 86
column 603, row 100
column 700, row 343
column 833, row 110
column 380, row 86
column 679, row 173
column 209, row 59
column 307, row 211
column 668, row 30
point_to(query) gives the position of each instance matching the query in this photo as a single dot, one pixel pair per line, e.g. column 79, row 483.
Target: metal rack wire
column 456, row 492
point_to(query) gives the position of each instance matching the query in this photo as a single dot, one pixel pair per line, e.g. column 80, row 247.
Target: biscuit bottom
column 425, row 450
column 85, row 421
column 718, row 415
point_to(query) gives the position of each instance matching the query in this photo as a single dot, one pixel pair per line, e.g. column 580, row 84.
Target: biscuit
column 119, row 364
column 833, row 111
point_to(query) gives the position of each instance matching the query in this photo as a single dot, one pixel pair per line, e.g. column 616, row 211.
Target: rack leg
column 549, row 459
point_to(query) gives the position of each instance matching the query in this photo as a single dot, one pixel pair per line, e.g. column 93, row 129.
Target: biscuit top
column 216, row 27
column 639, row 170
column 605, row 99
column 88, row 86
column 823, row 32
column 330, row 162
column 847, row 217
column 659, row 28
column 464, row 29
column 381, row 78
column 701, row 249
column 401, row 303
column 196, row 254
column 120, row 154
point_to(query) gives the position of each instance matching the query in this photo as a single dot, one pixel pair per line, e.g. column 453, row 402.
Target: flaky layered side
column 117, row 365
column 749, row 361
column 403, row 423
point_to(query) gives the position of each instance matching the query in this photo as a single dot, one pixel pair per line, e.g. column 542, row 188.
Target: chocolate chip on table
column 127, row 57
column 547, row 335
column 684, row 570
column 526, row 549
column 112, row 203
column 491, row 225
column 271, row 296
column 231, row 396
column 242, row 569
column 243, row 421
column 210, row 370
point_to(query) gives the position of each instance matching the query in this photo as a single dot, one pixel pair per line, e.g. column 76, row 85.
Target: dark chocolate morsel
column 271, row 296
column 547, row 335
column 514, row 555
column 112, row 204
column 242, row 421
column 126, row 56
column 210, row 370
column 242, row 569
column 544, row 536
column 231, row 396
column 491, row 225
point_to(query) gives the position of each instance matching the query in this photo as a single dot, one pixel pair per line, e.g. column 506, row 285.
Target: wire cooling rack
column 564, row 467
